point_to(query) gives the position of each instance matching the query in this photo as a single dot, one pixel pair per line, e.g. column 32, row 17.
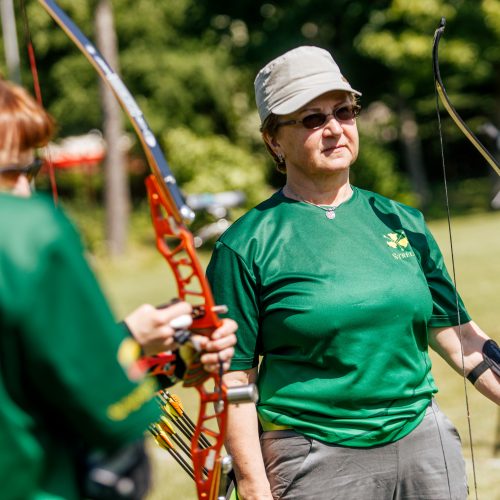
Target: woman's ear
column 274, row 148
column 272, row 143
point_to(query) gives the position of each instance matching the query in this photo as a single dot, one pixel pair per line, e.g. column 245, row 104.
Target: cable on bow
column 38, row 94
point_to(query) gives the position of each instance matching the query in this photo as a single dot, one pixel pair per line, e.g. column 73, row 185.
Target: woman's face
column 330, row 148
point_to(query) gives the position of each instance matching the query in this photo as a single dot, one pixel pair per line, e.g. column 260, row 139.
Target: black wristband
column 491, row 355
column 476, row 372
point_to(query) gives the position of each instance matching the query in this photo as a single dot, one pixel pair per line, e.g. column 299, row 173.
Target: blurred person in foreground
column 72, row 411
column 339, row 293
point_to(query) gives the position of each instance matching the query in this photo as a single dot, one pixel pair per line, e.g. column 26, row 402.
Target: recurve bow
column 170, row 216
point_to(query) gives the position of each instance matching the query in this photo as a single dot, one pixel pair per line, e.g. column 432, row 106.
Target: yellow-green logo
column 398, row 241
column 128, row 354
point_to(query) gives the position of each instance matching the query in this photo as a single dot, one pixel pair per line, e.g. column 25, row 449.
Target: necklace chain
column 329, row 210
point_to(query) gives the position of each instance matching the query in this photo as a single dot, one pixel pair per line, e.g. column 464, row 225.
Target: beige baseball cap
column 295, row 78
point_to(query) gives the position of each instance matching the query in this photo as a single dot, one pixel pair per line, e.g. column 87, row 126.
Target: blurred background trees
column 190, row 64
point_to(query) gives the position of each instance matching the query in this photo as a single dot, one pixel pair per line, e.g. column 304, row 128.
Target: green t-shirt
column 62, row 387
column 339, row 311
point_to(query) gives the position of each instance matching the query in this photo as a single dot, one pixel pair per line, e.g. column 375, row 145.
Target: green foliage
column 467, row 196
column 376, row 170
column 399, row 38
column 191, row 65
column 80, row 184
column 88, row 217
column 197, row 88
column 214, row 164
column 180, row 79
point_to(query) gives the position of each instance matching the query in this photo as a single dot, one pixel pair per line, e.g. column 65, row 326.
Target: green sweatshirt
column 62, row 388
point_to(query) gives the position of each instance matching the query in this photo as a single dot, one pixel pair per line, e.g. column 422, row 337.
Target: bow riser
column 188, row 271
column 175, row 242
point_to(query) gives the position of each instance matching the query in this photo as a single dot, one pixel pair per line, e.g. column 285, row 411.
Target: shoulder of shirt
column 389, row 204
column 250, row 221
column 35, row 218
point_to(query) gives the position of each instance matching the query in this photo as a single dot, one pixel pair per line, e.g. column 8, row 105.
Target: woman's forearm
column 242, row 443
column 461, row 347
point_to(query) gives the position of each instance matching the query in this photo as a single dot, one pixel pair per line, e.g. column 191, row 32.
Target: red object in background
column 83, row 150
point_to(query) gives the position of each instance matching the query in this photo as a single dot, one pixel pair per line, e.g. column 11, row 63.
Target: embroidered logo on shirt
column 132, row 401
column 128, row 354
column 398, row 241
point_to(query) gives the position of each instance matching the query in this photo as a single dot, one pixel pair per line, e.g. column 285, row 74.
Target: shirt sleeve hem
column 449, row 320
column 242, row 364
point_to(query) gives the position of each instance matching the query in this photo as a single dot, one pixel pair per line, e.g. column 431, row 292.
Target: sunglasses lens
column 314, row 121
column 11, row 174
column 345, row 113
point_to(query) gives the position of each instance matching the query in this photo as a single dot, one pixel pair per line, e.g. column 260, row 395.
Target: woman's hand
column 218, row 348
column 154, row 328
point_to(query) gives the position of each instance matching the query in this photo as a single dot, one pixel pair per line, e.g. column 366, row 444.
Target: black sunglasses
column 316, row 120
column 29, row 171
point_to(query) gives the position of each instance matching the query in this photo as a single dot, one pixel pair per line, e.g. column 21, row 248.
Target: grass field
column 143, row 276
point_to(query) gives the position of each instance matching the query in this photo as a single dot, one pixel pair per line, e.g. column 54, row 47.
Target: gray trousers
column 425, row 465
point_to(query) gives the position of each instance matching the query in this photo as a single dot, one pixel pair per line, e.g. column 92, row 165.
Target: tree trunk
column 11, row 47
column 117, row 192
column 412, row 151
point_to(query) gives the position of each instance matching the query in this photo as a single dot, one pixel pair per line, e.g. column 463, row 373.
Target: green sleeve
column 72, row 343
column 442, row 289
column 235, row 286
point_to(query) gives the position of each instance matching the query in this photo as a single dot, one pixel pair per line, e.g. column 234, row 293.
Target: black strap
column 475, row 373
column 491, row 355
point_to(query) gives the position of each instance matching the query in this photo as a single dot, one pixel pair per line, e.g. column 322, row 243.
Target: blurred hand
column 154, row 328
column 218, row 347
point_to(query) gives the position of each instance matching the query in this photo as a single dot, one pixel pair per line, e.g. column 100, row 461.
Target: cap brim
column 294, row 103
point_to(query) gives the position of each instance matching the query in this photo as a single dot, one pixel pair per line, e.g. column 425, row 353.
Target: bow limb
column 170, row 214
column 154, row 155
column 449, row 107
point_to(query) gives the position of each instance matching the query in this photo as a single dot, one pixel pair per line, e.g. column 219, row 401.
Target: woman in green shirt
column 65, row 389
column 338, row 292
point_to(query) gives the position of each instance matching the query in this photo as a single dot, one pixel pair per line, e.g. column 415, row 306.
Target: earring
column 281, row 158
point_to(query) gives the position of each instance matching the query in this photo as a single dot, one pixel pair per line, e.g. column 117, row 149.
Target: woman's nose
column 332, row 126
